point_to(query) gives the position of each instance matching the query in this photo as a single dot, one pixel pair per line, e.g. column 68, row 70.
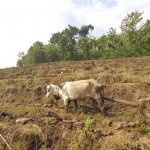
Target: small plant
column 144, row 128
column 100, row 116
column 127, row 116
column 88, row 123
column 144, row 142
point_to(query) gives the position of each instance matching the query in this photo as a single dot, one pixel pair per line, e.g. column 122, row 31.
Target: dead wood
column 141, row 105
column 122, row 101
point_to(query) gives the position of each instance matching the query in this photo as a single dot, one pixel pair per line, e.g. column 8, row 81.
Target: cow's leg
column 97, row 95
column 74, row 104
column 66, row 102
column 102, row 107
column 66, row 108
column 94, row 104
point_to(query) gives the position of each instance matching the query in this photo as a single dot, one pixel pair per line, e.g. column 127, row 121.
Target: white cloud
column 27, row 21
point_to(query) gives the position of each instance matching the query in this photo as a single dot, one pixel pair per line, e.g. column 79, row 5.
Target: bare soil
column 30, row 121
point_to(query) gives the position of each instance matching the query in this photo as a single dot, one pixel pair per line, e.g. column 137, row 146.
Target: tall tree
column 71, row 34
column 85, row 30
column 84, row 46
column 145, row 37
column 52, row 53
column 101, row 43
column 55, row 38
column 35, row 54
column 129, row 27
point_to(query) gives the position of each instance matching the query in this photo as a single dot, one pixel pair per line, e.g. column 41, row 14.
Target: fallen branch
column 139, row 104
column 122, row 101
column 5, row 141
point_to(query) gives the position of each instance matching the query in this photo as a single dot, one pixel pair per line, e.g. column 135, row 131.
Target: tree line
column 77, row 43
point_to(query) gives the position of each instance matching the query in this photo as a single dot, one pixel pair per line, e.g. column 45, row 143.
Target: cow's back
column 78, row 89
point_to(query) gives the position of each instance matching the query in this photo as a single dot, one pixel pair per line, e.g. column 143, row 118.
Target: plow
column 139, row 104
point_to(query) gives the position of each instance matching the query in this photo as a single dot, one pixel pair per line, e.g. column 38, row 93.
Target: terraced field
column 30, row 121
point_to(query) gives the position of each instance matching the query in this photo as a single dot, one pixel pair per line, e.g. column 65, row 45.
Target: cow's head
column 52, row 90
column 56, row 97
column 48, row 90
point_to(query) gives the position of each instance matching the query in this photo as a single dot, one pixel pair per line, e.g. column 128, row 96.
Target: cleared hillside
column 23, row 92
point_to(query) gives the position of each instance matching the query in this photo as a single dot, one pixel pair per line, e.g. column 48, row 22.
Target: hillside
column 46, row 126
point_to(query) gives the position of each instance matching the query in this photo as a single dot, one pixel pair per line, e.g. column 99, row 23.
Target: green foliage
column 84, row 31
column 129, row 27
column 84, row 46
column 76, row 43
column 144, row 128
column 52, row 54
column 88, row 123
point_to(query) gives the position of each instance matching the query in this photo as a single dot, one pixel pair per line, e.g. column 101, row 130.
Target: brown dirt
column 23, row 92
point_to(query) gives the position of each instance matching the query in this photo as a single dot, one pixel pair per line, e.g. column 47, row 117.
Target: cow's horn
column 47, row 82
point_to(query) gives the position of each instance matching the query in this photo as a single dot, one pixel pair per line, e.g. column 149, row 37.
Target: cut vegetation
column 30, row 121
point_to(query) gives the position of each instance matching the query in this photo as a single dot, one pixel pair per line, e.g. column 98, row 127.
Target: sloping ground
column 46, row 126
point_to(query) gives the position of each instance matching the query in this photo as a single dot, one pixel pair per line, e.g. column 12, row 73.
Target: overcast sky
column 23, row 22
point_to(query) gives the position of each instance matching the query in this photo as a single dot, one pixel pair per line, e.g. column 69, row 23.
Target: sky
column 23, row 22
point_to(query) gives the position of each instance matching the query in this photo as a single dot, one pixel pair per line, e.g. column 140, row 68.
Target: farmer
column 92, row 63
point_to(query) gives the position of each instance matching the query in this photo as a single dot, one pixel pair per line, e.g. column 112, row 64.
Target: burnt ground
column 30, row 121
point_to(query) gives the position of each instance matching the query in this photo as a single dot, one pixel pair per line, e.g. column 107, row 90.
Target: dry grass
column 23, row 92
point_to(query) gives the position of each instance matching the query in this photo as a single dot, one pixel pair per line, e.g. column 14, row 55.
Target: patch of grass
column 100, row 116
column 145, row 143
column 143, row 128
column 30, row 136
column 127, row 116
column 21, row 110
column 119, row 142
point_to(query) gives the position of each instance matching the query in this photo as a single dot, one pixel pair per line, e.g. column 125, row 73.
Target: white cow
column 80, row 89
